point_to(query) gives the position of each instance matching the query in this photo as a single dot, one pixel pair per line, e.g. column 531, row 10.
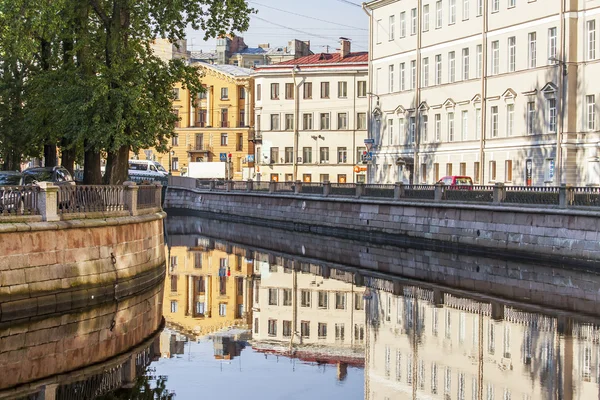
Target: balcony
column 199, row 148
column 255, row 136
column 224, row 124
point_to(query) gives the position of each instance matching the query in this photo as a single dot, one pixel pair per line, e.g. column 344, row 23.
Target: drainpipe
column 355, row 119
column 483, row 93
column 370, row 88
column 417, row 132
column 563, row 92
column 296, row 107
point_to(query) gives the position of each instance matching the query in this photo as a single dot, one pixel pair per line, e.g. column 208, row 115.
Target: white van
column 146, row 167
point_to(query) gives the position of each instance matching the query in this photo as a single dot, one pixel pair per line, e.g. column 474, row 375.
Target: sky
column 322, row 22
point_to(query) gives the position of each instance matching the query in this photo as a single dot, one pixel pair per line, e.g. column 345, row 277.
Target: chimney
column 344, row 47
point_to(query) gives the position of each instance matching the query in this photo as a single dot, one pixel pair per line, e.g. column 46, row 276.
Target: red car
column 458, row 182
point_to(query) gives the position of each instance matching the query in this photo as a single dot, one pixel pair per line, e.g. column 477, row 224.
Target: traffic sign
column 223, row 156
column 368, row 156
column 369, row 141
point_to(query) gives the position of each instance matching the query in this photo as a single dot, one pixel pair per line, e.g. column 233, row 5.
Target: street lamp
column 171, row 153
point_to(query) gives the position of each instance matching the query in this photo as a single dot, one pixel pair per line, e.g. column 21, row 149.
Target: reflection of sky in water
column 196, row 374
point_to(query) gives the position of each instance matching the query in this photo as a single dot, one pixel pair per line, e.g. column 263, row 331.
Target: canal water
column 247, row 315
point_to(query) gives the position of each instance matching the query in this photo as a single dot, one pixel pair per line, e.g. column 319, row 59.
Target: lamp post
column 171, row 153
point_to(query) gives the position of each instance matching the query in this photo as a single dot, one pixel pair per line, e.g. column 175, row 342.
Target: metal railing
column 379, row 190
column 585, row 196
column 343, row 189
column 90, row 198
column 148, row 196
column 531, row 195
column 419, row 192
column 312, row 188
column 481, row 194
column 19, row 200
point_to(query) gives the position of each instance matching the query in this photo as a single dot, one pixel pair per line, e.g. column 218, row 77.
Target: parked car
column 56, row 175
column 457, row 182
column 11, row 178
column 10, row 198
column 146, row 168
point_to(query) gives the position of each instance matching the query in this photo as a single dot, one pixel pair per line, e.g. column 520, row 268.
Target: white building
column 474, row 87
column 311, row 117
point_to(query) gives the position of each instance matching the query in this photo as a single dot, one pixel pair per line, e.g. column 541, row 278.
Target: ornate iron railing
column 421, row 192
column 148, row 196
column 19, row 200
column 379, row 190
column 312, row 188
column 90, row 198
column 532, row 195
column 343, row 189
column 586, row 196
column 482, row 194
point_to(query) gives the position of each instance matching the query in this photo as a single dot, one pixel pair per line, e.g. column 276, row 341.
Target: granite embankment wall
column 536, row 233
column 48, row 267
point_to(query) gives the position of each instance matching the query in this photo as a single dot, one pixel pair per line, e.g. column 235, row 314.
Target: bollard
column 360, row 190
column 249, row 185
column 398, row 190
column 499, row 193
column 566, row 196
column 47, row 201
column 326, row 188
column 272, row 187
column 298, row 187
column 130, row 197
column 439, row 191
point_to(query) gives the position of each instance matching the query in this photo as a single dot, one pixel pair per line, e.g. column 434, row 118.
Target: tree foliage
column 81, row 74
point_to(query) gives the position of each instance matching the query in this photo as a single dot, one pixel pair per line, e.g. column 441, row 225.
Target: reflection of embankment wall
column 57, row 344
column 541, row 284
column 525, row 232
column 48, row 267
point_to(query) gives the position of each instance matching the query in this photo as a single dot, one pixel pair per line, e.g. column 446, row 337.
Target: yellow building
column 216, row 123
column 207, row 289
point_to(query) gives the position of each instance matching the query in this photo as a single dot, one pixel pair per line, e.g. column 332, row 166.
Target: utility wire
column 305, row 16
column 350, row 3
column 292, row 29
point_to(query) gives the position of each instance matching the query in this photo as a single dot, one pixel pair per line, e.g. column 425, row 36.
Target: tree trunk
column 68, row 159
column 117, row 166
column 50, row 157
column 92, row 175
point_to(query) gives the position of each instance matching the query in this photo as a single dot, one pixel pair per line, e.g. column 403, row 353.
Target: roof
column 231, row 70
column 251, row 50
column 329, row 58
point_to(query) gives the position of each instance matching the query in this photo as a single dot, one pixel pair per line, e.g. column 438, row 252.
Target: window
column 361, row 88
column 451, row 12
column 552, row 46
column 424, row 122
column 342, row 155
column 305, row 297
column 447, row 381
column 494, row 121
column 591, row 112
column 198, row 263
column 287, row 296
column 324, row 178
column 465, row 10
column 242, row 93
column 222, row 309
column 510, row 119
column 451, row 127
column 495, row 57
column 512, row 53
column 307, row 155
column 478, row 123
column 340, row 301
column 289, row 155
column 495, row 5
column 322, row 299
column 224, row 93
column 305, row 329
column 361, row 121
column 392, row 26
column 287, row 329
column 173, row 306
column 530, row 118
column 413, row 21
column 224, row 139
column 324, row 90
column 476, row 171
column 512, row 3
column 451, row 67
column 258, row 92
column 306, row 178
column 436, row 177
column 532, row 50
column 423, row 173
column 307, row 123
column 411, row 130
column 342, row 89
column 274, row 122
column 402, row 87
column 479, row 8
column 439, row 14
column 413, row 74
column 425, row 19
column 438, row 69
column 324, row 121
column 272, row 297
column 322, row 330
column 272, row 327
column 224, row 118
column 391, row 78
column 492, row 171
column 461, row 386
column 174, row 283
column 464, row 126
column 465, row 55
column 462, row 169
column 175, row 163
column 402, row 24
column 478, row 60
column 274, row 91
column 551, row 115
column 175, row 94
column 438, row 127
column 508, row 171
column 359, row 303
column 289, row 91
column 359, row 333
column 289, row 122
column 324, row 155
column 434, row 380
column 425, row 72
column 242, row 120
column 175, row 140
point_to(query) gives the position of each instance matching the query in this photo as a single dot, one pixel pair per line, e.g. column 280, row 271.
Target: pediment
column 400, row 110
column 549, row 89
column 423, row 106
column 449, row 103
column 476, row 99
column 509, row 94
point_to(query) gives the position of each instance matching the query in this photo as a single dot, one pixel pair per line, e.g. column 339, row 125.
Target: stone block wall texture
column 47, row 267
column 62, row 343
column 548, row 233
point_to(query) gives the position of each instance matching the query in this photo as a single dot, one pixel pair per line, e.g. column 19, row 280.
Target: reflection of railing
column 90, row 198
column 19, row 200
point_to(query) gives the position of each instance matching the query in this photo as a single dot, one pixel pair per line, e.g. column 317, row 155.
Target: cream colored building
column 457, row 350
column 485, row 89
column 311, row 117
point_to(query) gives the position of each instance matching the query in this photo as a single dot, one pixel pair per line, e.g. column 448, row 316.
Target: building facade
column 485, row 89
column 216, row 123
column 311, row 117
column 234, row 51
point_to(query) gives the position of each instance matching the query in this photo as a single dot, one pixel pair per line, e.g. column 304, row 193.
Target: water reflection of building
column 428, row 344
column 208, row 288
column 316, row 317
column 229, row 344
column 172, row 343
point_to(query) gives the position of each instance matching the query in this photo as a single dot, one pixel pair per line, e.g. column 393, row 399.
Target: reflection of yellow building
column 207, row 289
column 217, row 122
